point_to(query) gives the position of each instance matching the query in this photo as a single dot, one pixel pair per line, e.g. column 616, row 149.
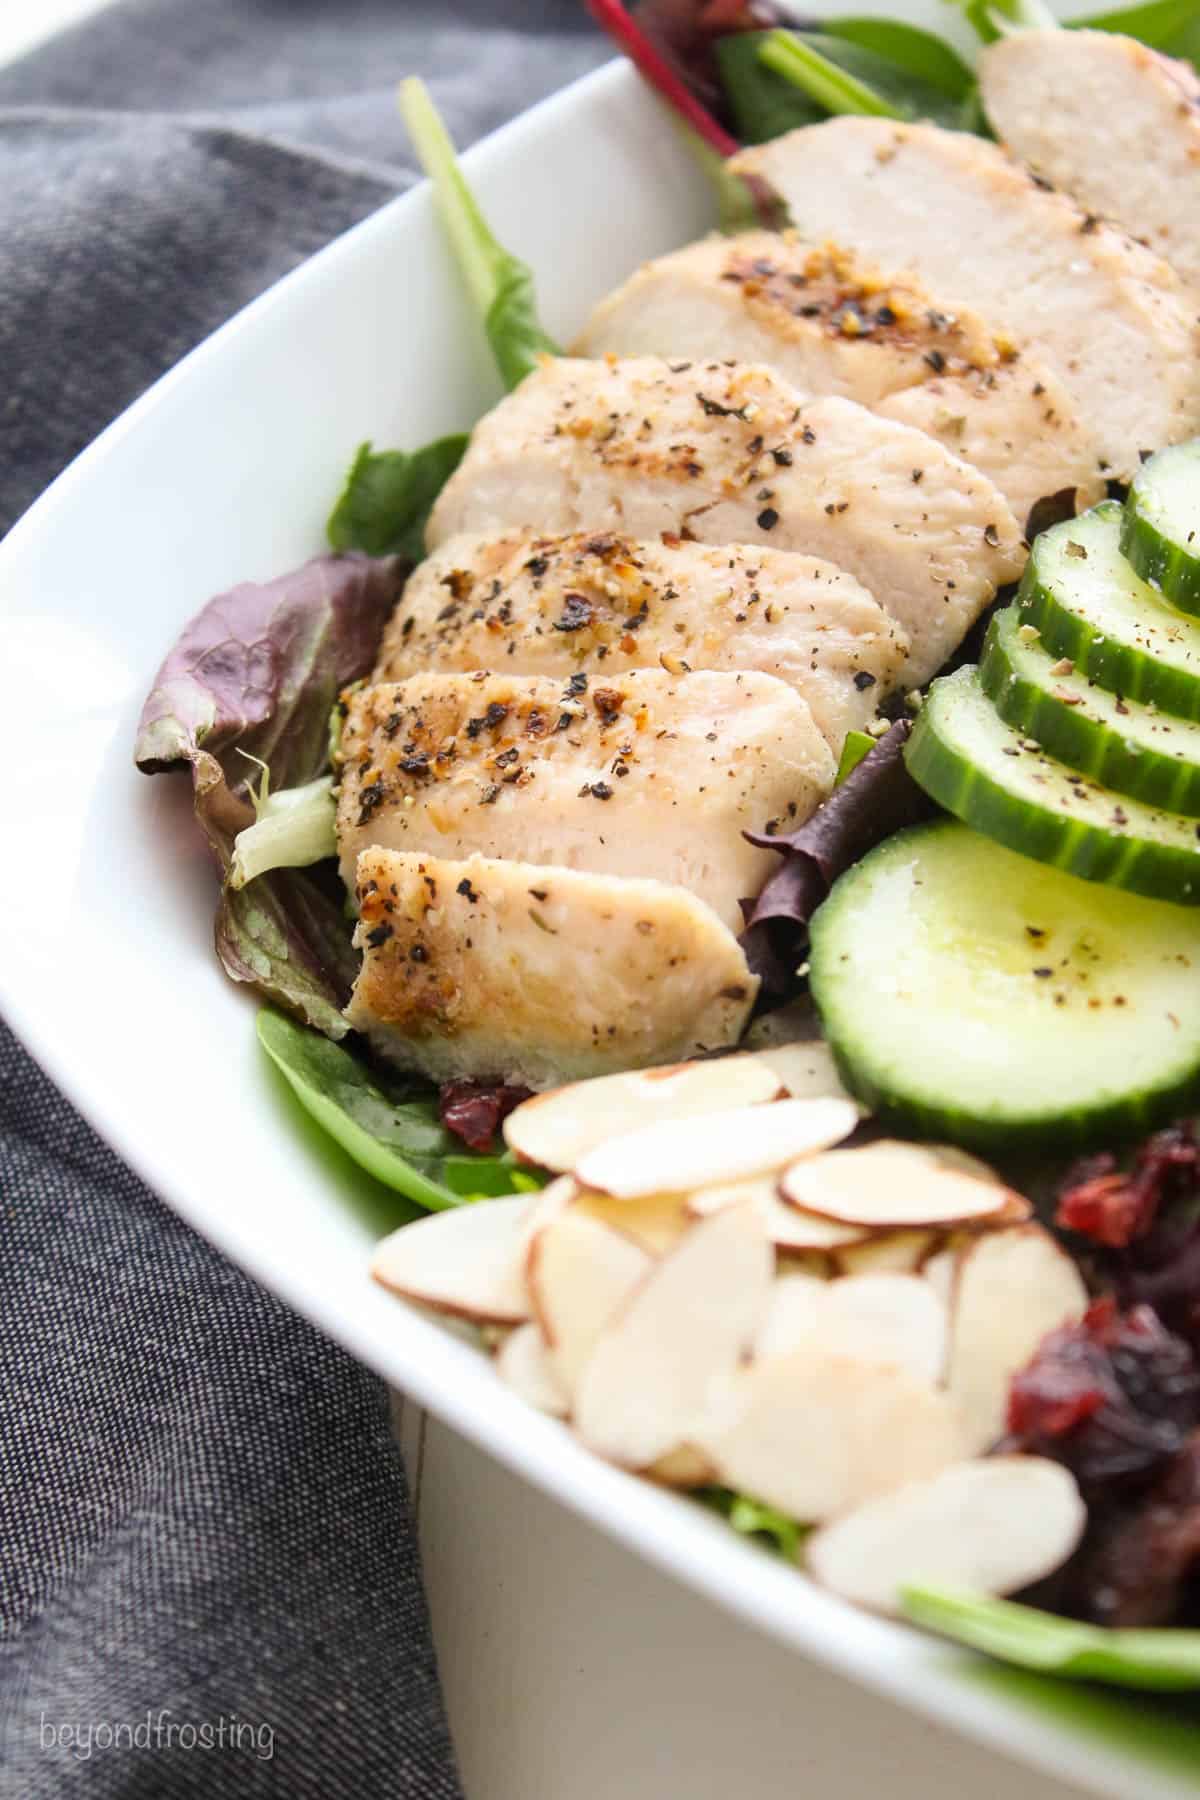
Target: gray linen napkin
column 208, row 1580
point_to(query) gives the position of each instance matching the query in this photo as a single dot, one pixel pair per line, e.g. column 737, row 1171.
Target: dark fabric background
column 203, row 1518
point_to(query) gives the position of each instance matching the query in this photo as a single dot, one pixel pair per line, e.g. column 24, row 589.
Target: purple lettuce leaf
column 878, row 798
column 257, row 671
column 286, row 933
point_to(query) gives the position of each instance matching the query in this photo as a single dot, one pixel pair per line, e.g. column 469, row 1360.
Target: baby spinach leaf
column 929, row 59
column 764, row 105
column 500, row 284
column 1168, row 1660
column 512, row 326
column 390, row 1129
column 1172, row 26
column 778, row 80
column 818, row 67
column 389, row 495
column 990, row 18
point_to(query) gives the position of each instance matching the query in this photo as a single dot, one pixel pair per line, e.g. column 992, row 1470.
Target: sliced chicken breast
column 1009, row 428
column 644, row 774
column 1113, row 123
column 729, row 454
column 518, row 972
column 1113, row 321
column 600, row 606
column 831, row 323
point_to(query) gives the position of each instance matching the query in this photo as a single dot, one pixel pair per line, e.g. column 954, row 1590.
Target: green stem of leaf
column 741, row 204
column 821, row 80
column 478, row 254
column 500, row 284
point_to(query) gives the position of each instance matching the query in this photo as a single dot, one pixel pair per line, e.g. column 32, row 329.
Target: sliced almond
column 523, row 1363
column 886, row 1252
column 658, row 1368
column 815, row 1434
column 887, row 1318
column 557, row 1128
column 684, row 1467
column 1012, row 1287
column 817, row 1263
column 787, row 1227
column 793, row 1314
column 988, row 1527
column 656, row 1222
column 720, row 1147
column 806, row 1071
column 579, row 1272
column 941, row 1272
column 889, row 1184
column 467, row 1261
column 552, row 1200
column 884, row 1318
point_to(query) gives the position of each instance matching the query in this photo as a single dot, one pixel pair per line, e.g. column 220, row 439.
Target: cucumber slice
column 1133, row 748
column 1004, row 784
column 1160, row 532
column 1089, row 605
column 973, row 995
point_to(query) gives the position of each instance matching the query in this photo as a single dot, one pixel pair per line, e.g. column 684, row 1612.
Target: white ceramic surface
column 223, row 472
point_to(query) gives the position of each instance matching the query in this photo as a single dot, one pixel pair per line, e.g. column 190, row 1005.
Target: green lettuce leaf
column 294, row 828
column 858, row 745
column 773, row 1529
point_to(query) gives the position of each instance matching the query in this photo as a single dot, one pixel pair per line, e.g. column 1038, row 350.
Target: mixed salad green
column 1054, row 747
column 745, row 74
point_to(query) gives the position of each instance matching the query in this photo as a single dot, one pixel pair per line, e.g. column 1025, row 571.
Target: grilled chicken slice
column 646, row 774
column 600, row 606
column 1113, row 321
column 527, row 974
column 1115, row 124
column 730, row 454
column 831, row 323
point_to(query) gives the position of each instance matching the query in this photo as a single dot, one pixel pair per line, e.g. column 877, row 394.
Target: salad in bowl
column 723, row 839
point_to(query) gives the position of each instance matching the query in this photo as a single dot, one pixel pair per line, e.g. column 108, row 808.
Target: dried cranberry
column 1112, row 1398
column 1139, row 1564
column 473, row 1110
column 1114, row 1207
column 1108, row 1208
column 1143, row 1226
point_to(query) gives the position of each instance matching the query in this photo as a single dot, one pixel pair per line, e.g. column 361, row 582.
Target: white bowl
column 224, row 472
